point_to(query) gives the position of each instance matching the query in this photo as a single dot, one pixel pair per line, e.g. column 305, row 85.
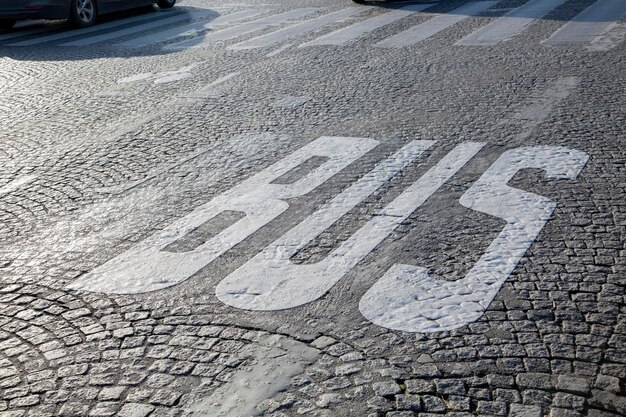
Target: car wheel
column 166, row 4
column 83, row 13
column 6, row 24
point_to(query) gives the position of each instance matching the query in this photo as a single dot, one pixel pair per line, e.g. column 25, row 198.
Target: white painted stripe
column 139, row 28
column 26, row 32
column 96, row 28
column 433, row 26
column 16, row 184
column 612, row 36
column 589, row 24
column 357, row 30
column 148, row 266
column 511, row 23
column 279, row 50
column 298, row 29
column 230, row 33
column 188, row 29
column 209, row 91
column 292, row 102
column 407, row 298
column 270, row 281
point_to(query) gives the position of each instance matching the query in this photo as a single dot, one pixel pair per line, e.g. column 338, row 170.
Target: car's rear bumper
column 33, row 9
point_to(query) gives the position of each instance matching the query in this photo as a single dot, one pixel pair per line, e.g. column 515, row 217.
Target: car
column 80, row 13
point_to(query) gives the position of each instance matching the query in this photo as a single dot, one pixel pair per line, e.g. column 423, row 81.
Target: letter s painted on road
column 406, row 298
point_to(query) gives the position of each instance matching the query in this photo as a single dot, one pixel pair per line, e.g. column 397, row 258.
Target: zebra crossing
column 255, row 28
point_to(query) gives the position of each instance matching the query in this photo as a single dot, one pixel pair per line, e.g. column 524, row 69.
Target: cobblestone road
column 324, row 209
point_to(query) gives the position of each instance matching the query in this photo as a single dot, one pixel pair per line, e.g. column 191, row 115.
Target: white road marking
column 407, row 299
column 298, row 29
column 190, row 28
column 163, row 76
column 239, row 30
column 609, row 39
column 21, row 33
column 16, row 184
column 279, row 50
column 435, row 25
column 292, row 102
column 96, row 28
column 147, row 267
column 175, row 75
column 270, row 281
column 589, row 24
column 209, row 91
column 350, row 33
column 180, row 17
column 275, row 360
column 511, row 23
column 537, row 112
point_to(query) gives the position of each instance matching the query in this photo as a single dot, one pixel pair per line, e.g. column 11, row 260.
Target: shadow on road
column 59, row 41
column 56, row 41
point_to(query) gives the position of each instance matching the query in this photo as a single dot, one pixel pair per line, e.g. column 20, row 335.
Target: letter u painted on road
column 405, row 298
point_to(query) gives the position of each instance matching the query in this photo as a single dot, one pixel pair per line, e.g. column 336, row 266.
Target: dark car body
column 59, row 9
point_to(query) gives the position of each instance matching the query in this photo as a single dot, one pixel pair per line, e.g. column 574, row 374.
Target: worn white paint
column 589, row 24
column 292, row 102
column 16, row 184
column 192, row 28
column 270, row 281
column 433, row 26
column 407, row 299
column 154, row 24
column 209, row 90
column 279, row 50
column 352, row 32
column 610, row 38
column 230, row 33
column 147, row 267
column 298, row 29
column 19, row 32
column 162, row 77
column 271, row 363
column 97, row 28
column 137, row 77
column 511, row 23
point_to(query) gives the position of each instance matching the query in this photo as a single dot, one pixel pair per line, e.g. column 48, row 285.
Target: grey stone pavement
column 226, row 210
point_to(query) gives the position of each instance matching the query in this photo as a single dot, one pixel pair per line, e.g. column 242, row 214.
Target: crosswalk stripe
column 357, row 30
column 182, row 30
column 21, row 33
column 297, row 29
column 511, row 23
column 435, row 25
column 230, row 33
column 589, row 24
column 96, row 28
column 140, row 28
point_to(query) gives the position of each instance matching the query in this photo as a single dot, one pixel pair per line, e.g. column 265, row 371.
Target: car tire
column 6, row 24
column 83, row 13
column 166, row 4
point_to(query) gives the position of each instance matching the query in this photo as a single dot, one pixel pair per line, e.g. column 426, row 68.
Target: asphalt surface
column 325, row 209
